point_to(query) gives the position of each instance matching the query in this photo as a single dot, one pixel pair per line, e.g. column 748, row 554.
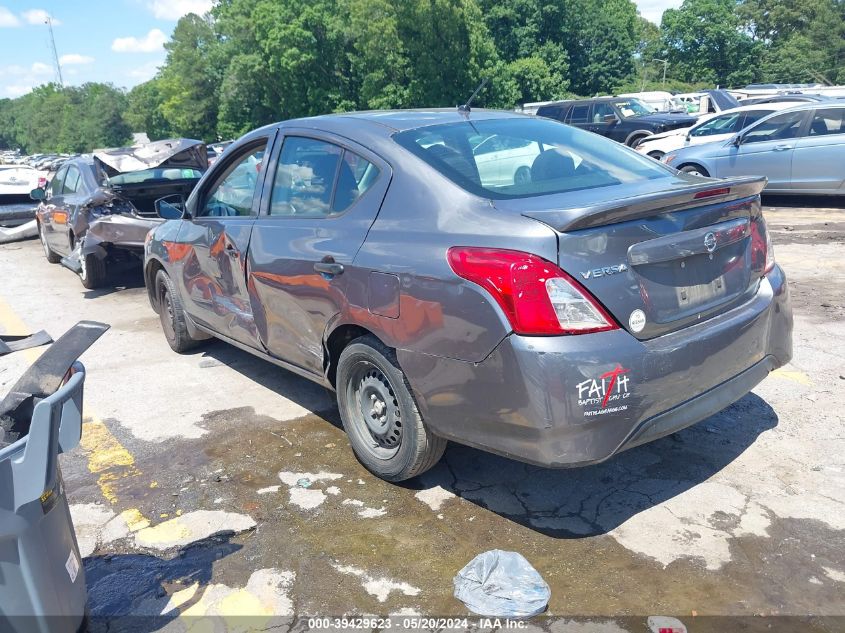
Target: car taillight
column 762, row 250
column 537, row 297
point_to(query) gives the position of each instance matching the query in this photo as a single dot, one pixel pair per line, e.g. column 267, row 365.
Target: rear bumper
column 570, row 401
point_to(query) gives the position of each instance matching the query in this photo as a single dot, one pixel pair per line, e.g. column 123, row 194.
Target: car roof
column 400, row 120
column 782, row 105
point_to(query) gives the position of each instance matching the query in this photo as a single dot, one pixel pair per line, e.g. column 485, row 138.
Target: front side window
column 778, row 128
column 724, row 124
column 552, row 158
column 601, row 111
column 828, row 121
column 318, row 179
column 232, row 195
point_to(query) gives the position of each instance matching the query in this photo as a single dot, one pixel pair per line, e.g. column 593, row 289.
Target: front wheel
column 379, row 414
column 657, row 154
column 695, row 170
column 172, row 315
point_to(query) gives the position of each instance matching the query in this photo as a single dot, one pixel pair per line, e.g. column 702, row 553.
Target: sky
column 116, row 41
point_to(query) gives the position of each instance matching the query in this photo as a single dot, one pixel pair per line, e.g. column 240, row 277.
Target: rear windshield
column 524, row 157
column 154, row 175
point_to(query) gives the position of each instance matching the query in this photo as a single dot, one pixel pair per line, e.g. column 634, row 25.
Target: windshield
column 632, row 107
column 153, row 175
column 523, row 157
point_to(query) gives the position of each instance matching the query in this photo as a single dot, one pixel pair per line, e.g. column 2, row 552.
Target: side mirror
column 736, row 141
column 170, row 207
column 38, row 194
column 611, row 118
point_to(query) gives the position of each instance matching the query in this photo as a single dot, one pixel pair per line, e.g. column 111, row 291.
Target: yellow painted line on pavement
column 107, row 457
column 794, row 375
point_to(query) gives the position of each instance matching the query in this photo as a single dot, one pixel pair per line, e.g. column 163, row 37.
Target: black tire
column 401, row 446
column 522, row 176
column 657, row 154
column 172, row 315
column 696, row 170
column 52, row 256
column 633, row 141
column 93, row 272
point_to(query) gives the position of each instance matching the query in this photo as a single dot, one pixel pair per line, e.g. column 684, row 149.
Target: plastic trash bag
column 502, row 584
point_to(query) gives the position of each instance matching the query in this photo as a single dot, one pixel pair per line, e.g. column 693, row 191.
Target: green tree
column 704, row 43
column 804, row 39
column 190, row 78
column 604, row 40
column 143, row 111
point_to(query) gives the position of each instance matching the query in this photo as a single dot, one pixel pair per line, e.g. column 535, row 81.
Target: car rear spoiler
column 649, row 204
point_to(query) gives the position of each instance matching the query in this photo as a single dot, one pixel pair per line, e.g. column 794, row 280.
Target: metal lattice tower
column 49, row 23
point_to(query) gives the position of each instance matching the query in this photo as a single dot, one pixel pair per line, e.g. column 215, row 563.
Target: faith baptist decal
column 605, row 394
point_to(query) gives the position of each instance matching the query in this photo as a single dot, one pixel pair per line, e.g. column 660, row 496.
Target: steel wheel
column 375, row 414
column 379, row 413
column 166, row 314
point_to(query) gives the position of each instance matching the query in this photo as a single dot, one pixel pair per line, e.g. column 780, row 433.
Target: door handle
column 329, row 268
column 782, row 147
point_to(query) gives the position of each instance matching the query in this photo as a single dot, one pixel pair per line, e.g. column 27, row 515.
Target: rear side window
column 552, row 112
column 828, row 121
column 579, row 114
column 57, row 182
column 550, row 158
column 318, row 179
column 71, row 184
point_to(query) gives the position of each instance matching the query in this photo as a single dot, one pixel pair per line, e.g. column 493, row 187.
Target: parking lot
column 215, row 483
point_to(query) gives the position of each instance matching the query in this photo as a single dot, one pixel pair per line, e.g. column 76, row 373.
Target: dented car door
column 214, row 242
column 322, row 197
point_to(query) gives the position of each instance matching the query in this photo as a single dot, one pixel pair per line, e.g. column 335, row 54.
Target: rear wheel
column 172, row 315
column 695, row 170
column 92, row 271
column 522, row 176
column 379, row 414
column 49, row 253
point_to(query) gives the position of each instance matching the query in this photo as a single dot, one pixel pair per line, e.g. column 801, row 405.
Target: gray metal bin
column 42, row 582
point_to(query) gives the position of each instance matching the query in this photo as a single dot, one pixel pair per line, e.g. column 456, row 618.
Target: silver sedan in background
column 800, row 150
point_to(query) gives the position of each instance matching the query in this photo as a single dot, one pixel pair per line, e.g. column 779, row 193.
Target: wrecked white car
column 98, row 208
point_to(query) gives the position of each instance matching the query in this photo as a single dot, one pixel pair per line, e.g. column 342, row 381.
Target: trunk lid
column 677, row 252
column 175, row 153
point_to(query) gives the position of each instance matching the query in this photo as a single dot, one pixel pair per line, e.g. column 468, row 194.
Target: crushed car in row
column 97, row 209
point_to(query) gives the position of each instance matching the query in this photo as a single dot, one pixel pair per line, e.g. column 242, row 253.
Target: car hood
column 666, row 117
column 678, row 132
column 702, row 150
column 178, row 152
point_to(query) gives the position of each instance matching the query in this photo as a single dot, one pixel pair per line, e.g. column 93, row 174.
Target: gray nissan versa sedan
column 600, row 301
